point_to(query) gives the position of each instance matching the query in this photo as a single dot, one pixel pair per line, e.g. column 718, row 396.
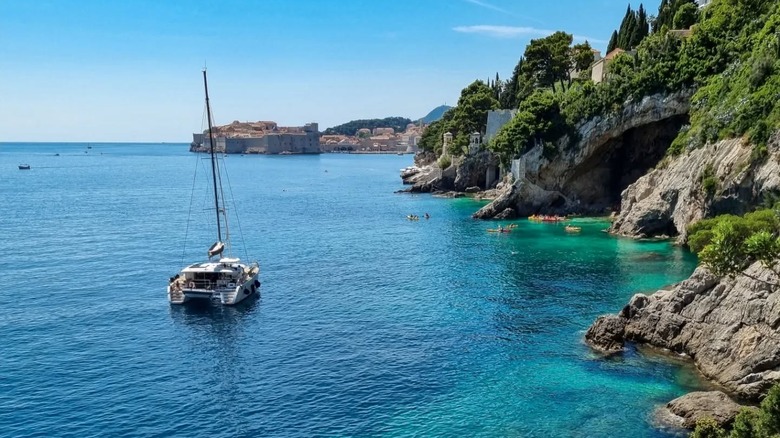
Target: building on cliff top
column 262, row 137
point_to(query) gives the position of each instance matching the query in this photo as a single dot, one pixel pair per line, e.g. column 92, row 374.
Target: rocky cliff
column 587, row 173
column 730, row 327
column 465, row 174
column 669, row 198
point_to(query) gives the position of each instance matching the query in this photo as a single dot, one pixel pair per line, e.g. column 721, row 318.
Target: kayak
column 494, row 230
column 571, row 229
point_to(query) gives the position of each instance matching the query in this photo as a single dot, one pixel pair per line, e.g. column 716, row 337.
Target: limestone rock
column 702, row 404
column 508, row 213
column 668, row 199
column 606, row 334
column 729, row 326
column 464, row 173
column 610, row 152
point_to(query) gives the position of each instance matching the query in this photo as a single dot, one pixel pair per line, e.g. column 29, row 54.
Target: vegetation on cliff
column 728, row 244
column 352, row 127
column 749, row 423
column 731, row 56
column 468, row 116
column 633, row 29
column 737, row 43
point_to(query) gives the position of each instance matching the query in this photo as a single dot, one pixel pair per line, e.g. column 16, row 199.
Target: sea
column 367, row 325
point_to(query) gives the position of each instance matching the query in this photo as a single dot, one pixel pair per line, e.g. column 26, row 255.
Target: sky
column 130, row 70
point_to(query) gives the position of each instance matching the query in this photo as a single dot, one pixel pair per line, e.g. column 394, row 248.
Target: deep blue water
column 367, row 325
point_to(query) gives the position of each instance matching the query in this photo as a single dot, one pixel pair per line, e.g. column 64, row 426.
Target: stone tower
column 475, row 142
column 446, row 145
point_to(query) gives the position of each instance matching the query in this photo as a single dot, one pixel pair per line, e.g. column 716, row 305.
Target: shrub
column 708, row 428
column 444, row 161
column 708, row 180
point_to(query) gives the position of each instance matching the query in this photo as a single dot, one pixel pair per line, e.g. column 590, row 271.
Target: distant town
column 266, row 137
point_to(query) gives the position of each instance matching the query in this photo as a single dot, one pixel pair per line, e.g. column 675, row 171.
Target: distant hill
column 351, row 128
column 436, row 114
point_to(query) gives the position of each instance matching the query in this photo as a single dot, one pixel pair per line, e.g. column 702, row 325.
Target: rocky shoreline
column 728, row 327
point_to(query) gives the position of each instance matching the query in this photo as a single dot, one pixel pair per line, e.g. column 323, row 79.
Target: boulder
column 685, row 411
column 606, row 334
column 524, row 198
column 508, row 213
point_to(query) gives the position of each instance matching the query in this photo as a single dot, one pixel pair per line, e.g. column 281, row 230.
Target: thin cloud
column 509, row 32
column 486, row 5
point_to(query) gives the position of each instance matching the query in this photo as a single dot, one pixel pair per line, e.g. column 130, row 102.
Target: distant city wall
column 304, row 140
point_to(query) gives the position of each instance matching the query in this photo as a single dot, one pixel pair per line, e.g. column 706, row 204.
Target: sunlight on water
column 368, row 324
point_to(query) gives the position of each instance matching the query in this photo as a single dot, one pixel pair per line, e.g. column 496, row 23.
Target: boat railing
column 199, row 284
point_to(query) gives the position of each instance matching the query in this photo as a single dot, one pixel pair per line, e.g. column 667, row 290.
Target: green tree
column 685, row 16
column 728, row 244
column 518, row 87
column 469, row 115
column 581, row 56
column 663, row 18
column 626, row 29
column 745, row 424
column 613, row 40
column 769, row 417
column 547, row 60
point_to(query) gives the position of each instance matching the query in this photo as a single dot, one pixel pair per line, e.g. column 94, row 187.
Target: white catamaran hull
column 225, row 282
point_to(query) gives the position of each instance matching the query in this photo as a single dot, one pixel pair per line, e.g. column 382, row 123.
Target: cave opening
column 621, row 161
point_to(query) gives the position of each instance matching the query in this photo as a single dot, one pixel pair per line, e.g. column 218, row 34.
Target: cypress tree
column 613, row 40
column 624, row 34
column 633, row 36
column 644, row 26
column 662, row 18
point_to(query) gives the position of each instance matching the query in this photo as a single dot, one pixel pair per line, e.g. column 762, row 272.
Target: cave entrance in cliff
column 622, row 160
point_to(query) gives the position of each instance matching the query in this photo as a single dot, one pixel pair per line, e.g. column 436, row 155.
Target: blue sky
column 100, row 70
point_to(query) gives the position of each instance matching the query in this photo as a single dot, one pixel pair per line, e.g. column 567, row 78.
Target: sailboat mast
column 213, row 160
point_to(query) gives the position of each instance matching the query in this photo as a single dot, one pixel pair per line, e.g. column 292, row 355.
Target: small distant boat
column 546, row 218
column 400, row 153
column 572, row 229
column 499, row 230
column 24, row 167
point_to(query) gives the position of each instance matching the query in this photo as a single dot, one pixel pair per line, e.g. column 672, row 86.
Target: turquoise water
column 368, row 324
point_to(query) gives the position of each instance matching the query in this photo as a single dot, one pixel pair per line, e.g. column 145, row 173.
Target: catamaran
column 220, row 279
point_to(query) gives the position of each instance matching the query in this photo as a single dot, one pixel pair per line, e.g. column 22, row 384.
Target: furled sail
column 216, row 249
